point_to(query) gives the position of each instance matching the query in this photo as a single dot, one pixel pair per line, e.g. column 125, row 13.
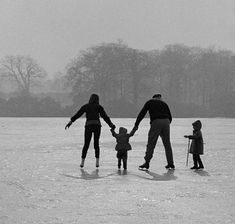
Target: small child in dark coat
column 196, row 147
column 122, row 145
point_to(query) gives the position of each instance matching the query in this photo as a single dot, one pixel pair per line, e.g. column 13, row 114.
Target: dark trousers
column 122, row 157
column 197, row 160
column 159, row 127
column 95, row 129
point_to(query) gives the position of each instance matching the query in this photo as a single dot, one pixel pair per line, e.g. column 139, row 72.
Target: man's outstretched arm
column 141, row 115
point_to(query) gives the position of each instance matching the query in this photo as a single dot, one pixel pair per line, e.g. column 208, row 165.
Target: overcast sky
column 54, row 31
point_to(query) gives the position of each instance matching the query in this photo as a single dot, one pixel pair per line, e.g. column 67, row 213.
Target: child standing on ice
column 123, row 145
column 196, row 147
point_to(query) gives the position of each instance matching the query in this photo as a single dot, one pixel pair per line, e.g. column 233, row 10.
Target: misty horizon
column 53, row 33
column 54, row 54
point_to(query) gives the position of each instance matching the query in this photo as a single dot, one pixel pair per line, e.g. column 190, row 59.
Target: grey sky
column 54, row 31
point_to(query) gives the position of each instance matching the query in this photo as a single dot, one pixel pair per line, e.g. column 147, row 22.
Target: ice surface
column 41, row 181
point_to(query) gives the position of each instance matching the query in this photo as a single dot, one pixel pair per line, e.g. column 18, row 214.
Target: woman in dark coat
column 196, row 147
column 93, row 111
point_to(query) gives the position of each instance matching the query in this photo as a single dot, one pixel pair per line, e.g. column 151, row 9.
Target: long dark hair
column 94, row 99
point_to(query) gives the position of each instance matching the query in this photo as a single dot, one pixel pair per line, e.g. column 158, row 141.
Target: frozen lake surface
column 41, row 181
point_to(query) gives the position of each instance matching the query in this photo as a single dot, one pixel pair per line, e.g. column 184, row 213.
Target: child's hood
column 197, row 124
column 122, row 130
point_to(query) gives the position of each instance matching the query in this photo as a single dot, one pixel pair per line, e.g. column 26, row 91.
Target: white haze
column 53, row 32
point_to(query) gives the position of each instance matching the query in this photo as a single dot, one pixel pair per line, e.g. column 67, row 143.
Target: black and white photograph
column 117, row 111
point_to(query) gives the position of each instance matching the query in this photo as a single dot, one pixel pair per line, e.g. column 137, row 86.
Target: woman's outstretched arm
column 106, row 117
column 80, row 112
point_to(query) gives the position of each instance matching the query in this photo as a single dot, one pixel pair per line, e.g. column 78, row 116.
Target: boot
column 82, row 163
column 170, row 166
column 195, row 161
column 144, row 166
column 194, row 168
column 97, row 163
column 200, row 163
column 201, row 166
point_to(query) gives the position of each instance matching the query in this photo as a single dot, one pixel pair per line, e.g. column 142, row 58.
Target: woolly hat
column 197, row 124
column 158, row 95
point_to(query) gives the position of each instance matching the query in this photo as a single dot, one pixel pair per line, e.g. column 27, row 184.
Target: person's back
column 122, row 139
column 123, row 142
column 93, row 112
column 158, row 109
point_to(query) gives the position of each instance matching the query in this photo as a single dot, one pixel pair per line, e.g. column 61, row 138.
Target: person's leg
column 165, row 135
column 119, row 159
column 87, row 136
column 200, row 162
column 125, row 161
column 153, row 135
column 119, row 162
column 96, row 129
column 195, row 159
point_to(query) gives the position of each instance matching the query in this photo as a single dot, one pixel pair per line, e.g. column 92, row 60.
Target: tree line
column 194, row 81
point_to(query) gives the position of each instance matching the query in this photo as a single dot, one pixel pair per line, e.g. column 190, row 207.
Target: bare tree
column 23, row 70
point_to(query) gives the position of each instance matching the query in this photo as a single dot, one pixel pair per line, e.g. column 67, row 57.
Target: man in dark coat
column 160, row 119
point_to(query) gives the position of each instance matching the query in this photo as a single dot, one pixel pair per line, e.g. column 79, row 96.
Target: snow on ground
column 41, row 181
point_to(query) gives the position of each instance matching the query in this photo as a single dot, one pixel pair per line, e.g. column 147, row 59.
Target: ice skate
column 145, row 166
column 194, row 168
column 170, row 166
column 97, row 163
column 82, row 163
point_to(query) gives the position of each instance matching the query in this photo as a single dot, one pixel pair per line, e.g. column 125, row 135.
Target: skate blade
column 170, row 168
column 143, row 169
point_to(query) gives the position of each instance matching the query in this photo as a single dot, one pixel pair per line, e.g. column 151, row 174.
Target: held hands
column 134, row 129
column 68, row 125
column 113, row 127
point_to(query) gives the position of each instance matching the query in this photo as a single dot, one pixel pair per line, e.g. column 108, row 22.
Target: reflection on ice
column 169, row 175
column 202, row 172
column 89, row 176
